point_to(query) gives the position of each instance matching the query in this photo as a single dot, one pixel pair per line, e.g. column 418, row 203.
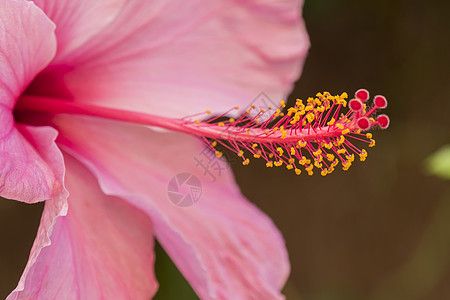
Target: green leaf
column 439, row 163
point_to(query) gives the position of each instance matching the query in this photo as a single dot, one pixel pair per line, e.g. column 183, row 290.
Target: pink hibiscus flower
column 104, row 182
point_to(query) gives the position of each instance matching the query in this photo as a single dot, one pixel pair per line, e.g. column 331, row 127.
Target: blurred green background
column 378, row 231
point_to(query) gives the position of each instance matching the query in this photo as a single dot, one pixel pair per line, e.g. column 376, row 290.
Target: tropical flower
column 104, row 181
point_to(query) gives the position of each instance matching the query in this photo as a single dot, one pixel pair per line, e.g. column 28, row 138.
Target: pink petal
column 179, row 57
column 223, row 245
column 31, row 166
column 54, row 208
column 102, row 249
column 78, row 21
column 27, row 45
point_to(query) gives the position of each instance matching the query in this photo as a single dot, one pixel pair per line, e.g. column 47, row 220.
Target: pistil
column 317, row 134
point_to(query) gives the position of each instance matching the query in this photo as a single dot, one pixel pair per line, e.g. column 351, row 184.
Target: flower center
column 316, row 134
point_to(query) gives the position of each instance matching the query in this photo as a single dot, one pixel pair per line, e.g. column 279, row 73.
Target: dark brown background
column 378, row 231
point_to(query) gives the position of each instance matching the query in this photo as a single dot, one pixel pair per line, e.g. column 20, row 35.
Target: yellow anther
column 320, row 159
column 341, row 151
column 301, row 143
column 248, row 112
column 328, row 145
column 317, row 164
column 219, row 154
column 344, row 95
column 371, row 120
column 289, row 167
column 196, row 122
column 283, row 104
column 330, row 157
column 221, row 124
column 291, row 161
column 310, row 117
column 372, row 143
column 350, row 158
column 232, row 120
column 346, row 131
column 236, row 107
column 252, row 106
column 302, row 161
column 240, row 153
column 363, row 155
column 214, row 143
column 280, row 151
column 298, row 171
column 369, row 135
column 262, row 110
column 283, row 134
column 331, row 122
column 278, row 163
column 346, row 165
column 309, row 107
column 254, row 146
column 340, row 141
column 324, row 172
column 267, row 132
column 270, row 155
column 318, row 152
column 275, row 129
column 335, row 163
column 269, row 164
column 247, row 131
column 246, row 162
column 292, row 151
column 341, row 102
column 291, row 110
column 298, row 115
column 340, row 126
column 208, row 111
